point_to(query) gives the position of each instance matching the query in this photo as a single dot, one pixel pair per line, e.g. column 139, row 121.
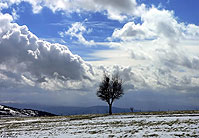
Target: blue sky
column 185, row 10
column 60, row 49
column 47, row 24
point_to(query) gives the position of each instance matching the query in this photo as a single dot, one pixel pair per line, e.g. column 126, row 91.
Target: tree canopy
column 110, row 89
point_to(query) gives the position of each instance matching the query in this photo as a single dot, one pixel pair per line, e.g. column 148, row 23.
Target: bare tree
column 110, row 89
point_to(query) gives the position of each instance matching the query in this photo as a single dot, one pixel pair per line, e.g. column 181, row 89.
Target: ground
column 152, row 124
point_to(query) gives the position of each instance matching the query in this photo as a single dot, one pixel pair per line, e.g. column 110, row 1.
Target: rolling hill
column 6, row 111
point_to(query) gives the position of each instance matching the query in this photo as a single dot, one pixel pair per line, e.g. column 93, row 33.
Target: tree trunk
column 110, row 109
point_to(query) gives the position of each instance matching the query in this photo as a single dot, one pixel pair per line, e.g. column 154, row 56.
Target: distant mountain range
column 6, row 111
column 68, row 110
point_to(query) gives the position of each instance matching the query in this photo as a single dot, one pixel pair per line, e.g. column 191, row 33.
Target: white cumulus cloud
column 157, row 24
column 36, row 60
column 114, row 9
column 77, row 30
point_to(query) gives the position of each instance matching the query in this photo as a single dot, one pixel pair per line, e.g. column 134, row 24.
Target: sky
column 56, row 52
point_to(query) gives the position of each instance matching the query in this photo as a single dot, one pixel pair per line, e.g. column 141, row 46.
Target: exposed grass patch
column 160, row 112
column 179, row 135
column 111, row 136
column 133, row 131
column 151, row 135
column 93, row 132
column 89, row 116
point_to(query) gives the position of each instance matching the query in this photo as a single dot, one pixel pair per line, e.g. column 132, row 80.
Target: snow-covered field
column 129, row 125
